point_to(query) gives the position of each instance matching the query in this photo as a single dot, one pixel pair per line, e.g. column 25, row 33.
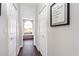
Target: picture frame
column 59, row 14
column 0, row 9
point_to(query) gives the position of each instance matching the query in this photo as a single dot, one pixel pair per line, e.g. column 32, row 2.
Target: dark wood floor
column 28, row 49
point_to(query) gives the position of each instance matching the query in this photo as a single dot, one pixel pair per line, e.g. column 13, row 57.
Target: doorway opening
column 28, row 29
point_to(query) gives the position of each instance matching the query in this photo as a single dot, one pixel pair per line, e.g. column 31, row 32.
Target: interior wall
column 41, row 29
column 20, row 26
column 64, row 40
column 36, row 27
column 18, row 41
column 3, row 31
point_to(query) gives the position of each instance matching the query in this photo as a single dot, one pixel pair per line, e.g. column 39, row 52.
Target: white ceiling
column 30, row 4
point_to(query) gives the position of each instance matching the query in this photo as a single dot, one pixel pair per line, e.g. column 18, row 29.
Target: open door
column 11, row 12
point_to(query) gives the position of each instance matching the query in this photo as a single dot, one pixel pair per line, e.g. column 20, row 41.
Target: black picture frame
column 0, row 9
column 67, row 15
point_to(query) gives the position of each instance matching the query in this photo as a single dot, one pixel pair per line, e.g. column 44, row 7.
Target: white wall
column 20, row 26
column 18, row 41
column 3, row 31
column 28, row 10
column 64, row 40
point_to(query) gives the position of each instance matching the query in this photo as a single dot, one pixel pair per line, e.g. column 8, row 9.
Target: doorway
column 27, row 29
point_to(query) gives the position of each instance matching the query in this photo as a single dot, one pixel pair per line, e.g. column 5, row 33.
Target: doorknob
column 12, row 38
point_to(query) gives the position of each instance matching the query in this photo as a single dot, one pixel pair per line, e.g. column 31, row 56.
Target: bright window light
column 28, row 27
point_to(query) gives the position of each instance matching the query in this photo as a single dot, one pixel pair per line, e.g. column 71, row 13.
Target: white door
column 12, row 14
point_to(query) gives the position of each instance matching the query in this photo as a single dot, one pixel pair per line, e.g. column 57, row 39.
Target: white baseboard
column 21, row 46
column 19, row 49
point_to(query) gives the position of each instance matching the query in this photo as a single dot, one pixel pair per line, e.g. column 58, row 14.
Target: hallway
column 42, row 22
column 29, row 49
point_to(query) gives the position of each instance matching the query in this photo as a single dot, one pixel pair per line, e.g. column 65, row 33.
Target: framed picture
column 0, row 9
column 59, row 14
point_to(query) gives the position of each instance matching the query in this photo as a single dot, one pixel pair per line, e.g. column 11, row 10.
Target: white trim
column 42, row 8
column 19, row 49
